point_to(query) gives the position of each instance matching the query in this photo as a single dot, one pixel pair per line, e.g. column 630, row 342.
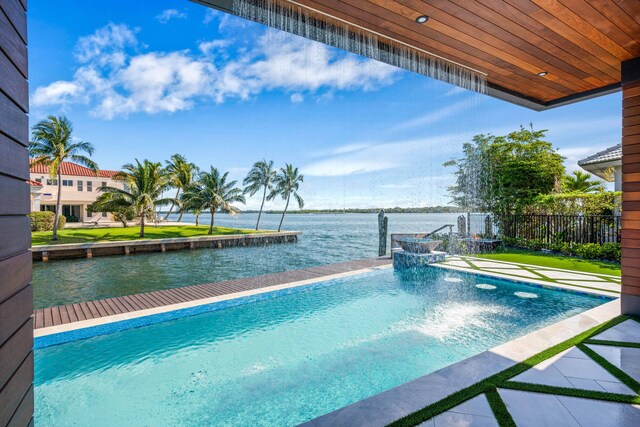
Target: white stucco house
column 79, row 189
column 606, row 164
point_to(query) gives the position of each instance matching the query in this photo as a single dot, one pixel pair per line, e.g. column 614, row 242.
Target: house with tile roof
column 79, row 189
column 606, row 164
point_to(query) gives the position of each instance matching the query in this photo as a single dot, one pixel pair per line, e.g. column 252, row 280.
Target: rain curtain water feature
column 293, row 18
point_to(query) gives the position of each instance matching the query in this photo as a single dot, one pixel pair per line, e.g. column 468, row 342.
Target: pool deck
column 569, row 280
column 90, row 313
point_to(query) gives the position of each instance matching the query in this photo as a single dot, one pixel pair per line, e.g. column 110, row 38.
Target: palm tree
column 286, row 184
column 190, row 201
column 51, row 145
column 260, row 176
column 182, row 174
column 213, row 192
column 143, row 185
column 581, row 182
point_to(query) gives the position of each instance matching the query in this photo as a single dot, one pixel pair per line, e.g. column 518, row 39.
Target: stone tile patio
column 473, row 412
column 573, row 369
column 601, row 284
column 576, row 370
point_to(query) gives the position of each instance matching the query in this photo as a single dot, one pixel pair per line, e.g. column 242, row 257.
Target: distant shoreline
column 433, row 209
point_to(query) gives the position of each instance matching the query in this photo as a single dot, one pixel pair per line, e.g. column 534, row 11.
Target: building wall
column 631, row 187
column 71, row 195
column 16, row 328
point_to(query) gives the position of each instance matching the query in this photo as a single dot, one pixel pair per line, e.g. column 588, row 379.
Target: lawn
column 88, row 235
column 554, row 261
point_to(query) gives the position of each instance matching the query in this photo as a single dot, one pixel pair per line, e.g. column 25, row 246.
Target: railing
column 441, row 228
column 562, row 228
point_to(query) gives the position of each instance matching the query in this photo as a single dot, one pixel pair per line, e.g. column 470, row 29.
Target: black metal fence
column 549, row 229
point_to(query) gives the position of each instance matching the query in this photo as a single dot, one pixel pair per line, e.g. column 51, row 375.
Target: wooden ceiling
column 579, row 43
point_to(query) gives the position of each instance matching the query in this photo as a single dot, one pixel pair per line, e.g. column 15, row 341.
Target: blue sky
column 173, row 76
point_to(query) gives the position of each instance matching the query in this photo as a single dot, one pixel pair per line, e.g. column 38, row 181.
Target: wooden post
column 127, row 250
column 89, row 253
column 45, row 256
column 383, row 224
column 163, row 248
column 462, row 225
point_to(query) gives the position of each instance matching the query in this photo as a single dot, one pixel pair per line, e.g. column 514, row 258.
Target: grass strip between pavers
column 613, row 370
column 572, row 392
column 612, row 343
column 540, row 277
column 499, row 408
column 498, row 379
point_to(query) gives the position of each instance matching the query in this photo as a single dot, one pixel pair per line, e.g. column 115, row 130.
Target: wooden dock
column 70, row 313
column 128, row 247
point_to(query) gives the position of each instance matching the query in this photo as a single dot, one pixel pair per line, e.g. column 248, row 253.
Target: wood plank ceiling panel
column 503, row 72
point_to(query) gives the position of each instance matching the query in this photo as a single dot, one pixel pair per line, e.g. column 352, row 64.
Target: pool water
column 289, row 359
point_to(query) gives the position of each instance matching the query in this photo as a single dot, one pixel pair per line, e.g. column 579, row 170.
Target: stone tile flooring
column 624, row 332
column 473, row 412
column 585, row 282
column 571, row 369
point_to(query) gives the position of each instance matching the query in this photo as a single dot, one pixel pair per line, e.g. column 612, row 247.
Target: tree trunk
column 172, row 205
column 58, row 207
column 264, row 196
column 197, row 215
column 142, row 224
column 284, row 212
column 180, row 217
column 213, row 212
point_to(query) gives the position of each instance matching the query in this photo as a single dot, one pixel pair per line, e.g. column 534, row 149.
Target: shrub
column 43, row 221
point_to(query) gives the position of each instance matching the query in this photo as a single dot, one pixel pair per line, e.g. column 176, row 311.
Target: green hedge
column 605, row 251
column 603, row 203
column 43, row 221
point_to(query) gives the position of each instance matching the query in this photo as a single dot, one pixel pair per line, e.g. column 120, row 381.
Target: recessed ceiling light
column 422, row 19
column 543, row 73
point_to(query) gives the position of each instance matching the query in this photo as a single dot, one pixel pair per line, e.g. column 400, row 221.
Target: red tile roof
column 68, row 168
column 34, row 183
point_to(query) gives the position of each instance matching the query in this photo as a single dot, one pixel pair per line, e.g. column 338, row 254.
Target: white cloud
column 59, row 92
column 437, row 115
column 169, row 14
column 455, row 90
column 415, row 154
column 106, row 45
column 210, row 15
column 115, row 79
column 211, row 46
column 443, row 181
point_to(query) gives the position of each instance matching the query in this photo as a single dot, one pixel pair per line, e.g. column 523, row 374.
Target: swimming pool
column 285, row 360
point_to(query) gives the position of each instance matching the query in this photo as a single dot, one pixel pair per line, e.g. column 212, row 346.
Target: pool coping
column 405, row 399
